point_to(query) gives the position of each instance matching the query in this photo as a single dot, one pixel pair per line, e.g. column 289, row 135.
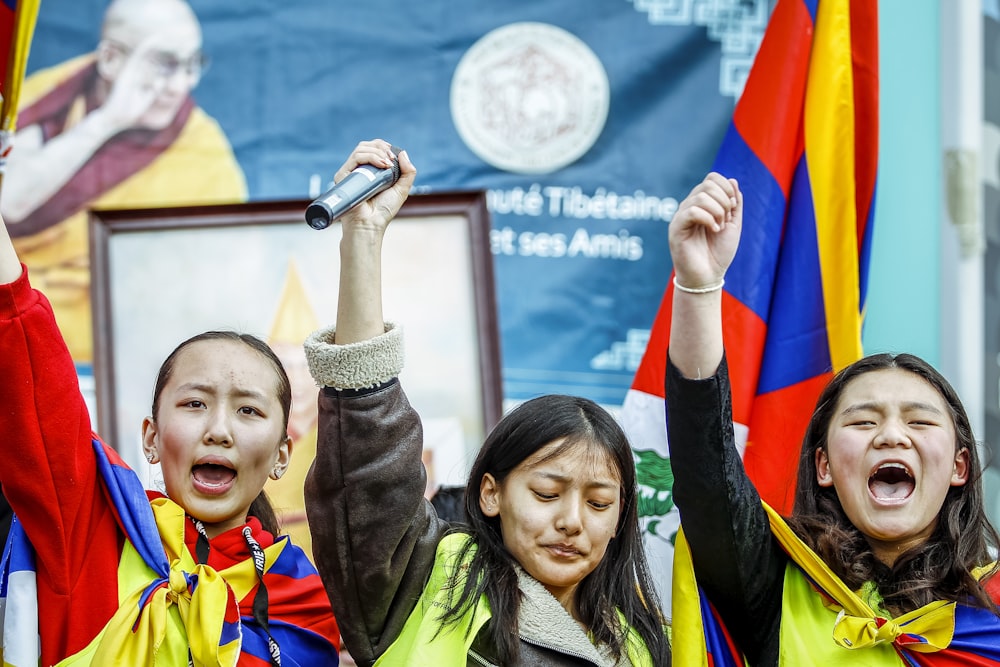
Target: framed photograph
column 160, row 276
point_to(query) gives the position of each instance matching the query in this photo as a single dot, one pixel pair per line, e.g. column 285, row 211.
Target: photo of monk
column 114, row 128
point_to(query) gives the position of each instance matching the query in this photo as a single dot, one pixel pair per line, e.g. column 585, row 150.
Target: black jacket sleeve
column 736, row 560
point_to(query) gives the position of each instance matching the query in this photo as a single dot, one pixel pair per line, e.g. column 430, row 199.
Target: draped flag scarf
column 825, row 622
column 173, row 611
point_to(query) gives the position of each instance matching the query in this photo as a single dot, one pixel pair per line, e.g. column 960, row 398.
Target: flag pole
column 25, row 18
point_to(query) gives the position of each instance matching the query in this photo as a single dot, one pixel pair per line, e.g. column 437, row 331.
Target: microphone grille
column 395, row 163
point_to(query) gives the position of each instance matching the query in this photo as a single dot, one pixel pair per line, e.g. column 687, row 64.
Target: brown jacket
column 374, row 534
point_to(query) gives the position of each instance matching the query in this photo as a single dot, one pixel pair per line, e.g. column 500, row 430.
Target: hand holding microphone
column 362, row 183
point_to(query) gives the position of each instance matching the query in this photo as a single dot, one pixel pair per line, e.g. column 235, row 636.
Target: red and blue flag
column 803, row 144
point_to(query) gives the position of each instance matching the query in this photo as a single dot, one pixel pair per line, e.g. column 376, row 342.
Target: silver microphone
column 364, row 182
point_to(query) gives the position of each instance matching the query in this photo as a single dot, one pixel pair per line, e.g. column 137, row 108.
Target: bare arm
column 359, row 306
column 38, row 169
column 704, row 234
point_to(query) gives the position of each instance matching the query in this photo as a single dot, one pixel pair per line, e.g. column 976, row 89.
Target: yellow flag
column 17, row 22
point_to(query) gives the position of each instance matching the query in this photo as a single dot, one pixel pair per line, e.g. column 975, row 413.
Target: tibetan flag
column 182, row 612
column 18, row 601
column 17, row 25
column 803, row 144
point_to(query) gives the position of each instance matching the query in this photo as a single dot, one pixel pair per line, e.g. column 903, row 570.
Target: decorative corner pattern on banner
column 738, row 25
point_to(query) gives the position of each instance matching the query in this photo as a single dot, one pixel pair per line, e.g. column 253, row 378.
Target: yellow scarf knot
column 190, row 612
column 924, row 630
column 178, row 583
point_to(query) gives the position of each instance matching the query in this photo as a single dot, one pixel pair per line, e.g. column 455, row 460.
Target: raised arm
column 43, row 417
column 736, row 561
column 49, row 474
column 359, row 305
column 39, row 168
column 374, row 534
column 704, row 235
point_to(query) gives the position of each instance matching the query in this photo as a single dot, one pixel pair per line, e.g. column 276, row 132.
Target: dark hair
column 261, row 506
column 449, row 503
column 941, row 568
column 621, row 581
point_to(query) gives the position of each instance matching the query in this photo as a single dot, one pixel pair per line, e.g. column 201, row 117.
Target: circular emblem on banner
column 529, row 98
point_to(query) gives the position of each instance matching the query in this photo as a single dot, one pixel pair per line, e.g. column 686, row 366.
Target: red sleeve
column 49, row 474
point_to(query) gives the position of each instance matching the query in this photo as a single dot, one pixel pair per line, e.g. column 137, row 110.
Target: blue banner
column 585, row 120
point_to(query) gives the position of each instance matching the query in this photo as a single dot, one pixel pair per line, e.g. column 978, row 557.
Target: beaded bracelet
column 700, row 290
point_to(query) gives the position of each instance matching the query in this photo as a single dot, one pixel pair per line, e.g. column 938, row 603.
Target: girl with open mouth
column 887, row 558
column 100, row 571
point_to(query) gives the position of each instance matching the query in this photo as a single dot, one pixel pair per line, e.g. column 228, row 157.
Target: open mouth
column 212, row 477
column 891, row 481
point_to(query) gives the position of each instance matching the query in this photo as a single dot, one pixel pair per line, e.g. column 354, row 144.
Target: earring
column 277, row 473
column 149, row 457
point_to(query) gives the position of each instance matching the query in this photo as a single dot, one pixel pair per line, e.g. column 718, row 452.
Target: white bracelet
column 700, row 290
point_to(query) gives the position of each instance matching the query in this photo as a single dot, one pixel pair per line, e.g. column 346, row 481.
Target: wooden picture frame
column 160, row 276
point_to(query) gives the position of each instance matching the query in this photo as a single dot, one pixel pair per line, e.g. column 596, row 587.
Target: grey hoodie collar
column 543, row 621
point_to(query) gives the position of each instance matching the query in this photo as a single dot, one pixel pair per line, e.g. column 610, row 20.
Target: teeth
column 882, row 470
